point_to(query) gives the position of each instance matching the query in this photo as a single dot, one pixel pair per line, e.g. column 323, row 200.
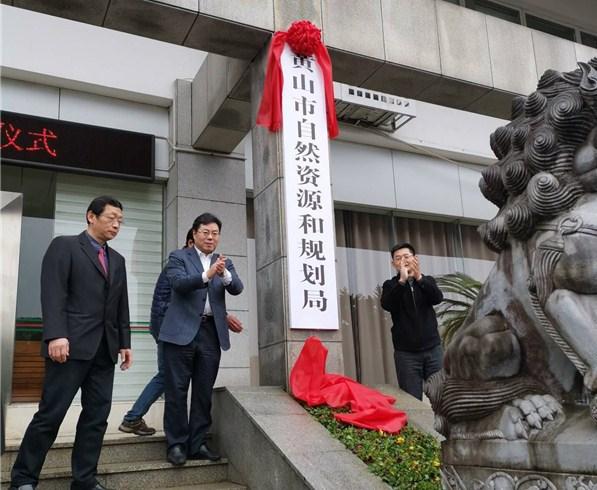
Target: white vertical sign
column 308, row 196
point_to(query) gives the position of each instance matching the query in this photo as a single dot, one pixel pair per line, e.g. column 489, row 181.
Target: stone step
column 116, row 449
column 140, row 475
column 223, row 485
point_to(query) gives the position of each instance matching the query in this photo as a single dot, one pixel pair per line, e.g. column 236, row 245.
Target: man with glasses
column 133, row 422
column 85, row 315
column 409, row 297
column 193, row 333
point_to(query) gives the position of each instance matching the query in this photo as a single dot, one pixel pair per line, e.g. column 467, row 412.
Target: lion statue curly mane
column 527, row 354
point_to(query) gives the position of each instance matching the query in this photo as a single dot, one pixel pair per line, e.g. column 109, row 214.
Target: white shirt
column 206, row 263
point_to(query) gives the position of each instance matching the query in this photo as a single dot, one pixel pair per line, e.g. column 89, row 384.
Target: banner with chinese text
column 313, row 302
column 65, row 145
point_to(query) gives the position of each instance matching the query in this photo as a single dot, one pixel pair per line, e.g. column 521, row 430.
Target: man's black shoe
column 176, row 455
column 205, row 453
column 28, row 486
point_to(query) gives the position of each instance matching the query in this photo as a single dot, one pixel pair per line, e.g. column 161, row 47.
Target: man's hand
column 126, row 356
column 58, row 349
column 218, row 267
column 221, row 265
column 234, row 324
column 403, row 273
column 415, row 268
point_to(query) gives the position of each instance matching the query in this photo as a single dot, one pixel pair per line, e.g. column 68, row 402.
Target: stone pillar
column 279, row 346
column 201, row 182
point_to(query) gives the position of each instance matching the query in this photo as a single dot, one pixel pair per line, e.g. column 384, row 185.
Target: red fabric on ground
column 370, row 408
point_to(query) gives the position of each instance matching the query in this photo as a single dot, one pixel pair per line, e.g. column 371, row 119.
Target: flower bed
column 406, row 461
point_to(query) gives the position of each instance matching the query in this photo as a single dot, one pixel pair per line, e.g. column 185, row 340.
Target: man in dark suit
column 193, row 331
column 85, row 324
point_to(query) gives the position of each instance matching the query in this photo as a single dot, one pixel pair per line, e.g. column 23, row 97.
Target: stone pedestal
column 561, row 457
column 279, row 346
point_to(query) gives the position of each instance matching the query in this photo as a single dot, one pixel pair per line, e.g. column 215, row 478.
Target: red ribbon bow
column 304, row 39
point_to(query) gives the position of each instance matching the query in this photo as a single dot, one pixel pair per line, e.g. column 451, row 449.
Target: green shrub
column 460, row 292
column 406, row 461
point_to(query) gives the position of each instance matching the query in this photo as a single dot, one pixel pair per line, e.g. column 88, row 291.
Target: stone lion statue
column 526, row 356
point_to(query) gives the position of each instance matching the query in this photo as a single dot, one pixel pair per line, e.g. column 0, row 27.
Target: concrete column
column 200, row 182
column 279, row 346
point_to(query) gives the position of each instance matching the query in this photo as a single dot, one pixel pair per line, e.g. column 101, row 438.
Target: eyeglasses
column 111, row 219
column 207, row 233
column 401, row 257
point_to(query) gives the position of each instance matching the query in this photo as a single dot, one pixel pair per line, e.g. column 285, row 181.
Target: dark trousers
column 61, row 383
column 413, row 368
column 197, row 364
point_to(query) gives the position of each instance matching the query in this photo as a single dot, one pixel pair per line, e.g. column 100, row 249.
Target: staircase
column 129, row 462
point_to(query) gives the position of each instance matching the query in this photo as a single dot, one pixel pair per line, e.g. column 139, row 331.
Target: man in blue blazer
column 193, row 332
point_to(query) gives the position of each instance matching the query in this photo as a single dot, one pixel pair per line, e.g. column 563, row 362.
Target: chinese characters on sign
column 42, row 142
column 309, row 205
column 15, row 139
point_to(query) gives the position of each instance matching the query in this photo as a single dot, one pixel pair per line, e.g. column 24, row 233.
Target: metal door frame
column 11, row 217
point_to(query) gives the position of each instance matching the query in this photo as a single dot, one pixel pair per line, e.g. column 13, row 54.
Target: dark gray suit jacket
column 182, row 320
column 79, row 303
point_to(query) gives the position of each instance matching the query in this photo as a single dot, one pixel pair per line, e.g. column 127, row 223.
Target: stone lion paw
column 525, row 414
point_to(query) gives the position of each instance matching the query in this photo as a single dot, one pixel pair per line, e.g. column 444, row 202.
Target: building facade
column 176, row 71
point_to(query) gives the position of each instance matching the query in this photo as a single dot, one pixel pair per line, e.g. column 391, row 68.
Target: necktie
column 102, row 258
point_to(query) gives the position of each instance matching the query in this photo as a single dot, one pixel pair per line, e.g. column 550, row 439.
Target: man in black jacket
column 409, row 297
column 85, row 315
column 133, row 422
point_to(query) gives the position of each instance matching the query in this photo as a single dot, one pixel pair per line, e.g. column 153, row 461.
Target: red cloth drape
column 270, row 109
column 370, row 409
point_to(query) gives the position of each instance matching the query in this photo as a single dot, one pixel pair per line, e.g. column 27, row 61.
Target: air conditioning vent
column 363, row 107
